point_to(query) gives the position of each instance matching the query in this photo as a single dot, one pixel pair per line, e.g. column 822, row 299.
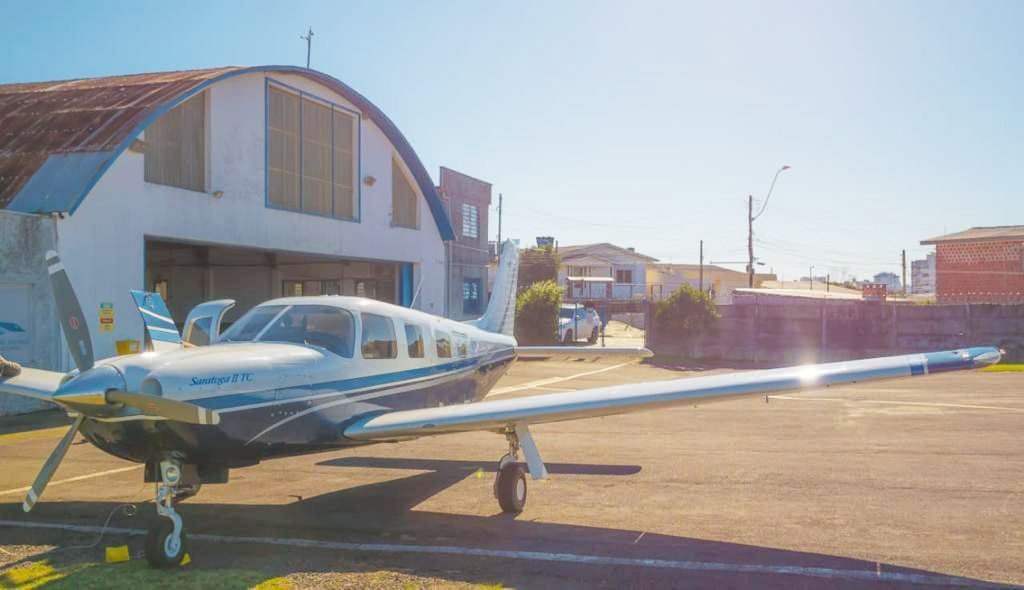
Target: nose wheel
column 166, row 542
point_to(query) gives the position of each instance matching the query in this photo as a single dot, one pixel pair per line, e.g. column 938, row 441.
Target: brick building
column 466, row 200
column 980, row 265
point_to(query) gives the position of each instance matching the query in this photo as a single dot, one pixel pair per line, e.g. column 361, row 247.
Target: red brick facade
column 979, row 271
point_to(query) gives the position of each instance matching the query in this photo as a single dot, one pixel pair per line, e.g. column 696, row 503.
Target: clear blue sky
column 644, row 124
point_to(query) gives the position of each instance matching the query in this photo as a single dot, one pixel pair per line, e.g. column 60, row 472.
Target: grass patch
column 1005, row 368
column 134, row 575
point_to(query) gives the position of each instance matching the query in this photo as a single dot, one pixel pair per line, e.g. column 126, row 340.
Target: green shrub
column 537, row 313
column 686, row 314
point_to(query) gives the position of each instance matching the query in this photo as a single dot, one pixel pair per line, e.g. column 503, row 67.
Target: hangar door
column 189, row 274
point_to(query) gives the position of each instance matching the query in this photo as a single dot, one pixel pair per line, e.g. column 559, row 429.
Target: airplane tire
column 593, row 336
column 568, row 338
column 159, row 551
column 512, row 488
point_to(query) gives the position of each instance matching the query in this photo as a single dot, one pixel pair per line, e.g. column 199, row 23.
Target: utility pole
column 828, row 281
column 750, row 241
column 903, row 258
column 810, row 278
column 499, row 221
column 309, row 44
column 701, row 280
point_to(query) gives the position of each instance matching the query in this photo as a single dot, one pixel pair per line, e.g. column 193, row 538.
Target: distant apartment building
column 891, row 281
column 603, row 271
column 980, row 265
column 922, row 275
column 466, row 201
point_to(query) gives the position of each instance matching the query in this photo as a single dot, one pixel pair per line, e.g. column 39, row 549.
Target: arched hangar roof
column 57, row 139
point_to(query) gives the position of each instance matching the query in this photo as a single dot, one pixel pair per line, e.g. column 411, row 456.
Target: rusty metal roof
column 58, row 138
column 86, row 115
column 995, row 233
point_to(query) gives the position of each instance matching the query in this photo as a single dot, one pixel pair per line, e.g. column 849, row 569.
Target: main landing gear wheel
column 568, row 338
column 166, row 542
column 511, row 488
column 593, row 336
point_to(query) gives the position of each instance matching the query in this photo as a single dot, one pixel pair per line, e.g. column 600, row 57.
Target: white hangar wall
column 102, row 243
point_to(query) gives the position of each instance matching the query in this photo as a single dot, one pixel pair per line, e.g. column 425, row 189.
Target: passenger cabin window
column 318, row 325
column 404, row 210
column 175, row 152
column 414, row 340
column 311, row 155
column 378, row 337
column 444, row 344
column 461, row 345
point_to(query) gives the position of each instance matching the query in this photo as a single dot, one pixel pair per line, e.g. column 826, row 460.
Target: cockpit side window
column 414, row 340
column 444, row 344
column 378, row 337
column 325, row 326
column 251, row 324
column 461, row 344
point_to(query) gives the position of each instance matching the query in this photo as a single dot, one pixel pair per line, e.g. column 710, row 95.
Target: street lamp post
column 750, row 224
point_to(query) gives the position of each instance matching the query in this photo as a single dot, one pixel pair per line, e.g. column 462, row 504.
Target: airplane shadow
column 383, row 513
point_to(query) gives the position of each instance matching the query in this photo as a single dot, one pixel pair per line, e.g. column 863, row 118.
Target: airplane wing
column 619, row 399
column 33, row 383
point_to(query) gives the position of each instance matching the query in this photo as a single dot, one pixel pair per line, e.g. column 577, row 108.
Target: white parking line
column 894, row 402
column 549, row 381
column 74, row 479
column 872, row 575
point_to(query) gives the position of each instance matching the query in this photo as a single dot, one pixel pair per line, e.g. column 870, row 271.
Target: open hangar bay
column 891, row 484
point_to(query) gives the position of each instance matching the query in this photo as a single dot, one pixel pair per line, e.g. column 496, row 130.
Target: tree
column 537, row 313
column 686, row 314
column 536, row 265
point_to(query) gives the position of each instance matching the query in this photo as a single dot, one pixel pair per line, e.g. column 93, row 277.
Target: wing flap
column 33, row 383
column 604, row 401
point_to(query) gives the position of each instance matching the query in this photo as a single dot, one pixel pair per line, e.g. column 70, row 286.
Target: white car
column 576, row 322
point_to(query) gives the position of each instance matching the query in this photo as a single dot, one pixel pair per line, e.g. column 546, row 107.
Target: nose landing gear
column 166, row 542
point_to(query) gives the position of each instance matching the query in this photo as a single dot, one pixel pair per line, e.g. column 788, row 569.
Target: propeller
column 96, row 390
column 76, row 331
column 50, row 467
column 167, row 408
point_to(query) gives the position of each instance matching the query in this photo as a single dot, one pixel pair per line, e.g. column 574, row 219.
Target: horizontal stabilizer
column 620, row 399
column 536, row 352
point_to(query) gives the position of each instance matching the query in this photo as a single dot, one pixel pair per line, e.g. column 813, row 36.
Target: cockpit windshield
column 251, row 324
column 319, row 325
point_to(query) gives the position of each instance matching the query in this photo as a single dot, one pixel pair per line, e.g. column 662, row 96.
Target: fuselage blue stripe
column 236, row 400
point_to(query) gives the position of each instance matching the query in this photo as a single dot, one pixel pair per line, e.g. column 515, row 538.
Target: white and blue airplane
column 307, row 374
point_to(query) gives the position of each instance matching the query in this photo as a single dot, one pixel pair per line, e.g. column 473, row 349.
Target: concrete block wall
column 774, row 334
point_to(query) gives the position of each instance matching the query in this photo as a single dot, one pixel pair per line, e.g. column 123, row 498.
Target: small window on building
column 470, row 222
column 404, row 207
column 414, row 340
column 291, row 289
column 444, row 344
column 624, row 276
column 312, row 154
column 471, row 296
column 176, row 146
column 378, row 337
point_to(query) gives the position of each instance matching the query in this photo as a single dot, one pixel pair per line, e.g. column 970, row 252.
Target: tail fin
column 161, row 333
column 500, row 315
